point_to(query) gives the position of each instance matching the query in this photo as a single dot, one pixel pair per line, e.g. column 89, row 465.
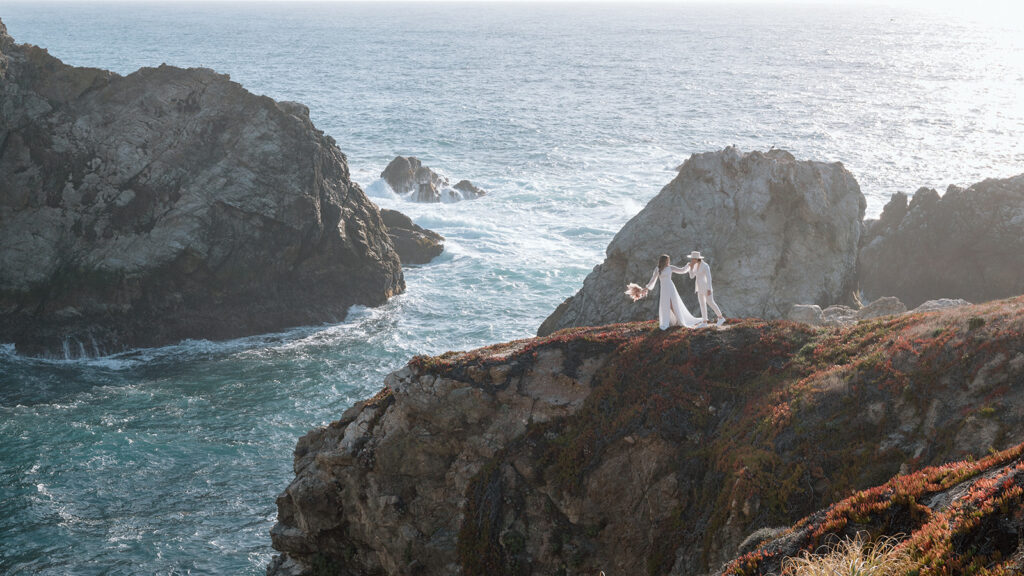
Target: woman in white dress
column 671, row 311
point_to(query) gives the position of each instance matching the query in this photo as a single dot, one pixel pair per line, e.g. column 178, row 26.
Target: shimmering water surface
column 572, row 116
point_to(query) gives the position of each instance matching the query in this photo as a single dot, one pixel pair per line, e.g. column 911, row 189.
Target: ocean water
column 572, row 116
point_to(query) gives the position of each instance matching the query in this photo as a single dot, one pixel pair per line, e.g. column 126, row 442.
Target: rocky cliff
column 968, row 243
column 776, row 231
column 632, row 450
column 170, row 204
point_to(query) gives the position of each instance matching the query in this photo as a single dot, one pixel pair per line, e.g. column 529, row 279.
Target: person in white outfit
column 671, row 311
column 701, row 274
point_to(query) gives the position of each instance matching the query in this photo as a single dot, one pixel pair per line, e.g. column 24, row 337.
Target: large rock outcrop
column 968, row 243
column 776, row 231
column 414, row 244
column 962, row 518
column 409, row 177
column 170, row 204
column 632, row 450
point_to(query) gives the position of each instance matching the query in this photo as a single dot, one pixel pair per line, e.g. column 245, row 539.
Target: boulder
column 940, row 304
column 967, row 243
column 469, row 190
column 407, row 176
column 169, row 204
column 885, row 306
column 806, row 313
column 838, row 315
column 776, row 232
column 414, row 244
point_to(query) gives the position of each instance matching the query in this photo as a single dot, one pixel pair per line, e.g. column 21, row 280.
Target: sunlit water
column 168, row 461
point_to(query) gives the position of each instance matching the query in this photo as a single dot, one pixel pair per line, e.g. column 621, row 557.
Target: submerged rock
column 414, row 244
column 968, row 243
column 622, row 446
column 170, row 204
column 409, row 177
column 776, row 232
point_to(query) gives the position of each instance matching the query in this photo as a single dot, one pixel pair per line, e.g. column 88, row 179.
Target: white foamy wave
column 379, row 189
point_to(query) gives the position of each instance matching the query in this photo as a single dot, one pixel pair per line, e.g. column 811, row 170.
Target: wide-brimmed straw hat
column 695, row 256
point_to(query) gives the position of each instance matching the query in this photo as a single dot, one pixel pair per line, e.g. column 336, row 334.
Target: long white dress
column 671, row 311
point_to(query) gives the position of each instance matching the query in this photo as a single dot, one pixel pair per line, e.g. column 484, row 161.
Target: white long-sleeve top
column 701, row 275
column 674, row 269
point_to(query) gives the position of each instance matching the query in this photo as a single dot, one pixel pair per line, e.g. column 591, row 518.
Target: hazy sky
column 1006, row 12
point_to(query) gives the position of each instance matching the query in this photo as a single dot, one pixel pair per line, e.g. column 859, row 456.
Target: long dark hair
column 662, row 262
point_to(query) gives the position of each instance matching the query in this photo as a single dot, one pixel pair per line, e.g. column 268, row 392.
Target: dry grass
column 853, row 557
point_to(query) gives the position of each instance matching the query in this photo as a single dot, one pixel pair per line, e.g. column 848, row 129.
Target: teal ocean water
column 572, row 116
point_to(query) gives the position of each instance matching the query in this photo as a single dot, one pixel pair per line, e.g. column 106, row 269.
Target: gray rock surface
column 968, row 243
column 940, row 304
column 407, row 176
column 414, row 244
column 776, row 232
column 170, row 204
column 806, row 313
column 884, row 306
column 838, row 315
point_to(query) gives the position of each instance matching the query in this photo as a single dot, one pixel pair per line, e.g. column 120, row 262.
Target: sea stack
column 170, row 204
column 776, row 232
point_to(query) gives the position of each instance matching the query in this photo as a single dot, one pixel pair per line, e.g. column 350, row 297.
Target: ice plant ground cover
column 960, row 518
column 771, row 421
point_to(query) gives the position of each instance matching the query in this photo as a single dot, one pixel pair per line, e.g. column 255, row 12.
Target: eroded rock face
column 407, row 176
column 623, row 446
column 968, row 243
column 414, row 244
column 776, row 232
column 170, row 204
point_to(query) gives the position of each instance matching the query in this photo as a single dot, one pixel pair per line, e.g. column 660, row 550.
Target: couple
column 672, row 312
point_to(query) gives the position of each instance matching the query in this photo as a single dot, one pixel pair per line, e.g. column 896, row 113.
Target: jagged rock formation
column 414, row 244
column 170, row 204
column 632, row 450
column 409, row 177
column 968, row 244
column 962, row 518
column 776, row 231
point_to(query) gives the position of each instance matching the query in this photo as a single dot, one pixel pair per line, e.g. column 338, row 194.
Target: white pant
column 704, row 298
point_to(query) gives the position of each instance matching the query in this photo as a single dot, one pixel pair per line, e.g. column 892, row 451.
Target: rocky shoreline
column 168, row 204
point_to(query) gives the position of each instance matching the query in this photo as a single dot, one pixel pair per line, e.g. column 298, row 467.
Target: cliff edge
column 631, row 450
